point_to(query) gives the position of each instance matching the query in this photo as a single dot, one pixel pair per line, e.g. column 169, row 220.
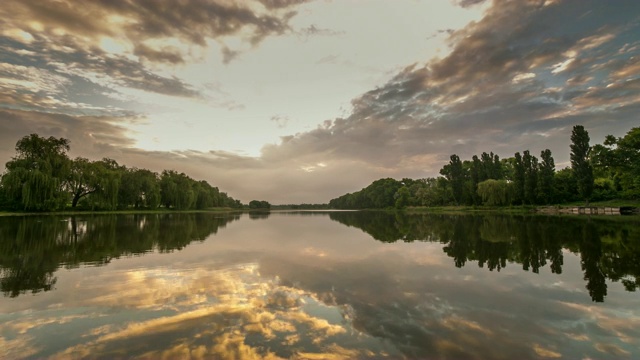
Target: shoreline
column 121, row 212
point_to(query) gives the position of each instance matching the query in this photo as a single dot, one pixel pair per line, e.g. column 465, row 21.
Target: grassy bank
column 121, row 212
column 520, row 209
column 607, row 203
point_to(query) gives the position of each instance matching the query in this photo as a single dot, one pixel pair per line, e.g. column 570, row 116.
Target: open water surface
column 319, row 285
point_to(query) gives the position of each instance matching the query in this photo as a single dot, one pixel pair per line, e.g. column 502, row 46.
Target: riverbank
column 121, row 212
column 611, row 207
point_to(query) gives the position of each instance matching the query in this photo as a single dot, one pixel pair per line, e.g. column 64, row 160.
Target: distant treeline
column 603, row 172
column 42, row 177
column 301, row 207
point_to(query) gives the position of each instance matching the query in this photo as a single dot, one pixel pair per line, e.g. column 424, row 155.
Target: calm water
column 319, row 286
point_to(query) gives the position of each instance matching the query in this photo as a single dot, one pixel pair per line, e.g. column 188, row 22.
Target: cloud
column 468, row 3
column 278, row 4
column 166, row 54
column 201, row 314
column 229, row 55
column 280, row 120
column 111, row 44
column 191, row 21
column 313, row 30
column 499, row 89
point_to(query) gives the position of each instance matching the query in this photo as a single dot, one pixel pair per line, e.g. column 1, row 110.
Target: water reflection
column 609, row 248
column 297, row 285
column 33, row 248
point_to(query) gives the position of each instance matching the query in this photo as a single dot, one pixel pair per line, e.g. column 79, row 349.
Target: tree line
column 603, row 172
column 42, row 177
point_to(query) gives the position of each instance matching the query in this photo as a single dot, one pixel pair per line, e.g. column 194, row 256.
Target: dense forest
column 602, row 172
column 42, row 177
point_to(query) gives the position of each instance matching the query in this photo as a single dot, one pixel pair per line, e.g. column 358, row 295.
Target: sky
column 301, row 101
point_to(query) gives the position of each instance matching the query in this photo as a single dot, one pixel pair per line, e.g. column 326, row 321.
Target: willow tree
column 35, row 177
column 494, row 192
column 177, row 190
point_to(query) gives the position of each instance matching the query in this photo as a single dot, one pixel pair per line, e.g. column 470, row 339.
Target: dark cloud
column 166, row 54
column 503, row 87
column 313, row 30
column 65, row 39
column 192, row 21
column 468, row 3
column 71, row 62
column 278, row 4
column 229, row 55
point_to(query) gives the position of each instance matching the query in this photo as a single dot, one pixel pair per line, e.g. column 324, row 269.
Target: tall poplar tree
column 530, row 165
column 546, row 174
column 454, row 172
column 580, row 163
column 518, row 178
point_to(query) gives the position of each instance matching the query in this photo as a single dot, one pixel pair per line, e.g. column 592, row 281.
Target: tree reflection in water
column 33, row 248
column 609, row 247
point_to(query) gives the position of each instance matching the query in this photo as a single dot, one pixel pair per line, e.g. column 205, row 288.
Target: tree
column 518, row 178
column 139, row 188
column 35, row 176
column 618, row 159
column 402, row 197
column 494, row 192
column 259, row 204
column 546, row 175
column 455, row 174
column 580, row 163
column 530, row 165
column 477, row 173
column 176, row 190
column 84, row 179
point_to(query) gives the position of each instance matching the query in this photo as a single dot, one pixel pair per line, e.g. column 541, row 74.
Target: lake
column 319, row 285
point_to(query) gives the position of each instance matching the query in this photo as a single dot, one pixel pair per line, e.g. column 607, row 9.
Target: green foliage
column 41, row 177
column 546, row 173
column 565, row 186
column 176, row 190
column 455, row 174
column 36, row 175
column 521, row 179
column 619, row 159
column 580, row 163
column 434, row 192
column 518, row 179
column 259, row 204
column 494, row 192
column 402, row 197
column 530, row 165
column 378, row 195
column 139, row 188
